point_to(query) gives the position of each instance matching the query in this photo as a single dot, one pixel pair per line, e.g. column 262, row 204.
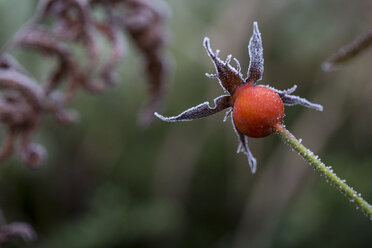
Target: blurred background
column 110, row 183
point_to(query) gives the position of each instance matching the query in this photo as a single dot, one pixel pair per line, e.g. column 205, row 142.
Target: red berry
column 256, row 110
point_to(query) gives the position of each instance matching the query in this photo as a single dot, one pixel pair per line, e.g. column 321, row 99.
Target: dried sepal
column 256, row 64
column 228, row 76
column 227, row 114
column 287, row 91
column 200, row 111
column 348, row 52
column 290, row 100
column 244, row 148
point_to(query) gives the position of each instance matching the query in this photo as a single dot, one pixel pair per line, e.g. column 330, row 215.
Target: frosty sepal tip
column 228, row 76
column 256, row 64
column 202, row 110
column 244, row 148
column 290, row 100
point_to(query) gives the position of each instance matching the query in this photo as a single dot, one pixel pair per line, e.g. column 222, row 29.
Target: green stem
column 325, row 171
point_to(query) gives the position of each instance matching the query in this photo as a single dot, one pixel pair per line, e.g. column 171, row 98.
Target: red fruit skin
column 256, row 109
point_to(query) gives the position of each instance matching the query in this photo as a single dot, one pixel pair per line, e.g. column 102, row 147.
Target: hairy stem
column 324, row 170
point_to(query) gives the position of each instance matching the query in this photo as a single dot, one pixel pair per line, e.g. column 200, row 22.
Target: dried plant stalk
column 348, row 52
column 24, row 100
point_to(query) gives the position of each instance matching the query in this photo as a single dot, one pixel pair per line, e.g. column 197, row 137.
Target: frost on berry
column 231, row 80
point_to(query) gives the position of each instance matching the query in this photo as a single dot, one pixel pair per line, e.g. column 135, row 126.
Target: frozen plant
column 254, row 109
column 258, row 110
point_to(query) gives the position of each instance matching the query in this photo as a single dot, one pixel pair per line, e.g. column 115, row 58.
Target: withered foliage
column 56, row 27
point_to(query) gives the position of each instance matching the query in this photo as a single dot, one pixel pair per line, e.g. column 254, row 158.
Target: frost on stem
column 228, row 76
column 323, row 170
column 256, row 64
column 200, row 111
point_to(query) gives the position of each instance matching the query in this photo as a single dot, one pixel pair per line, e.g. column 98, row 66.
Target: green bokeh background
column 110, row 183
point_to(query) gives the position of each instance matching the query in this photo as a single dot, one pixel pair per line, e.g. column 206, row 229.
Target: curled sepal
column 41, row 40
column 7, row 61
column 290, row 100
column 13, row 80
column 244, row 148
column 202, row 110
column 256, row 64
column 228, row 76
